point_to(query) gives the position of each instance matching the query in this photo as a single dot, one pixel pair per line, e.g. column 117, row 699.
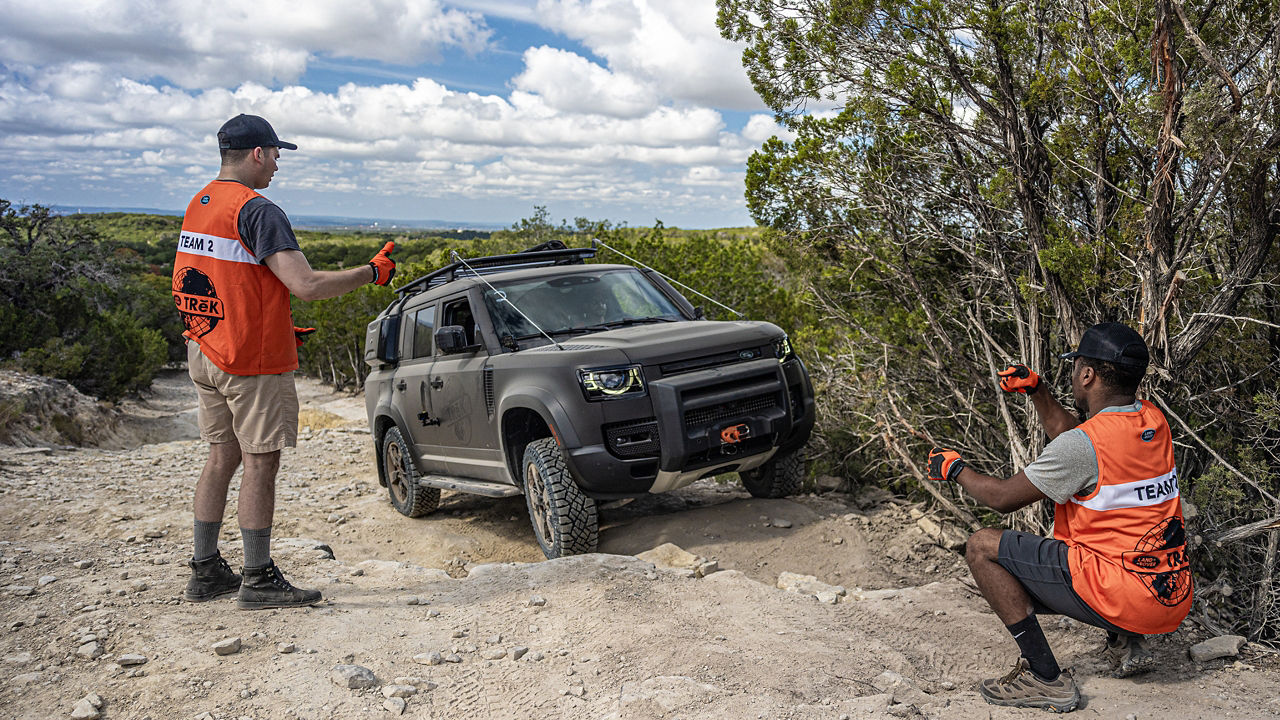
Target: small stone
column 458, row 634
column 536, row 601
column 155, row 534
column 453, row 658
column 493, row 639
column 352, row 677
column 433, row 613
column 230, row 646
column 494, row 654
column 26, row 679
column 394, row 705
column 131, row 659
column 286, row 648
column 84, row 710
column 84, row 564
column 429, row 658
column 95, row 700
column 22, row 590
column 518, row 652
column 21, row 658
column 781, row 523
column 827, row 597
column 47, row 579
column 89, row 651
column 1218, row 647
column 357, row 572
column 400, row 691
column 576, row 691
column 408, row 600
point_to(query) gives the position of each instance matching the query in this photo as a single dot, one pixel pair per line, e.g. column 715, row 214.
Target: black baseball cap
column 249, row 131
column 1113, row 342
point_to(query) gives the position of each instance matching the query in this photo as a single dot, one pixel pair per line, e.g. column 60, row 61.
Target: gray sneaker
column 1129, row 655
column 1021, row 688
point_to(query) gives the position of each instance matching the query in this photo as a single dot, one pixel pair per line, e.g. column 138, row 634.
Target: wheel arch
column 521, row 426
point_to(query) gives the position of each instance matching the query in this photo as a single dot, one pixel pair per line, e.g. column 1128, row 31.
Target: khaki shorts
column 260, row 411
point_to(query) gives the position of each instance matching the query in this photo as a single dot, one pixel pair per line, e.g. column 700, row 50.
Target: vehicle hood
column 668, row 342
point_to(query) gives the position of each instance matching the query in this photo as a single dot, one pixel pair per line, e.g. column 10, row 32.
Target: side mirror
column 451, row 339
column 382, row 339
column 698, row 313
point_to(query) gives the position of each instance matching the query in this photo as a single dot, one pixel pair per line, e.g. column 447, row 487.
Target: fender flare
column 545, row 404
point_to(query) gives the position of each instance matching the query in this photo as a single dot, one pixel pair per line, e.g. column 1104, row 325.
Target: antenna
column 502, row 297
column 601, row 243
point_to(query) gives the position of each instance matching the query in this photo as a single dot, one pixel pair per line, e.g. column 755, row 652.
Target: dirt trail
column 95, row 541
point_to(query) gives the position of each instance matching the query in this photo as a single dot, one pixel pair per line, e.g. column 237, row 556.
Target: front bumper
column 725, row 419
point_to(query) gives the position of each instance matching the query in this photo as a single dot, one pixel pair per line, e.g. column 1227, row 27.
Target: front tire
column 564, row 518
column 780, row 477
column 408, row 496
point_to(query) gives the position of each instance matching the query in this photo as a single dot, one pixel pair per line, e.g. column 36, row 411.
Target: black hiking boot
column 210, row 578
column 265, row 587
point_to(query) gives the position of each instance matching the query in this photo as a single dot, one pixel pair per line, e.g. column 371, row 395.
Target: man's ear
column 1087, row 375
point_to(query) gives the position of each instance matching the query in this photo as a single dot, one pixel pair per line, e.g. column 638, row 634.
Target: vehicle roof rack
column 547, row 254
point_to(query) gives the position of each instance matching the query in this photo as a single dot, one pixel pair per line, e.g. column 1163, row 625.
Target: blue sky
column 469, row 111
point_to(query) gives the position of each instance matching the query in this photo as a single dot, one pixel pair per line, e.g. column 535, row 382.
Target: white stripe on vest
column 1139, row 493
column 219, row 248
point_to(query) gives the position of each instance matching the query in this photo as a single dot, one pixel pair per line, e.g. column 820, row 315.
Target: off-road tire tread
column 422, row 499
column 573, row 514
column 780, row 477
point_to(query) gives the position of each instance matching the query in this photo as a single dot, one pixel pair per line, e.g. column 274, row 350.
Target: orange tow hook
column 735, row 433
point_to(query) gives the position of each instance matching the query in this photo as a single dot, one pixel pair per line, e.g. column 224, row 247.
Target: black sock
column 1035, row 648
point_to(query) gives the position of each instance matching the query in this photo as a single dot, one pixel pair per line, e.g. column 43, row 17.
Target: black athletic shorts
column 1040, row 564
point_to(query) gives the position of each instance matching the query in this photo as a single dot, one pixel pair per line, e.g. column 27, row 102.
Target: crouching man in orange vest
column 1118, row 557
column 237, row 263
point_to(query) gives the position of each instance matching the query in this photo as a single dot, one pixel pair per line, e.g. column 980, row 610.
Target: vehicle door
column 412, row 386
column 467, row 429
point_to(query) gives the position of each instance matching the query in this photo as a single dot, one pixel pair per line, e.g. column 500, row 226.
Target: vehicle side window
column 458, row 312
column 424, row 327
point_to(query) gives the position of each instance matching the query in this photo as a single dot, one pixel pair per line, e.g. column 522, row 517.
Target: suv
column 573, row 383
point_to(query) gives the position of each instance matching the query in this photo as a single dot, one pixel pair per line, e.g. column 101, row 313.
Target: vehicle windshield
column 576, row 304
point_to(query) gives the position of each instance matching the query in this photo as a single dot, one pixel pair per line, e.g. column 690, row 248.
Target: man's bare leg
column 264, row 586
column 1010, row 601
column 211, row 577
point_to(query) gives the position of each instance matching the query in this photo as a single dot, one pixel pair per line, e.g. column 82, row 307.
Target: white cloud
column 108, row 97
column 569, row 82
column 203, row 45
column 672, row 43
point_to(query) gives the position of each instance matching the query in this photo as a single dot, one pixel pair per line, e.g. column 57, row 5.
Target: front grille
column 710, row 361
column 633, row 439
column 730, row 410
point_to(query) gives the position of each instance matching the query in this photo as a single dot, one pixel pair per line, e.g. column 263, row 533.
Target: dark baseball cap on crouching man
column 249, row 131
column 1113, row 342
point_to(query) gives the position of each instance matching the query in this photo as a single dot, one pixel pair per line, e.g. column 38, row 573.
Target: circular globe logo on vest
column 204, row 199
column 1148, row 435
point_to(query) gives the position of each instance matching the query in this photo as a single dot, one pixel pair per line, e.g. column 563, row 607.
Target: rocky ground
column 455, row 614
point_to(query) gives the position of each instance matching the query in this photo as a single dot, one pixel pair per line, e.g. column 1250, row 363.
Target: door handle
column 400, row 385
column 437, row 383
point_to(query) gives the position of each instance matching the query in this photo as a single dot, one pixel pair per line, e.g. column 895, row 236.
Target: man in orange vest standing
column 1117, row 559
column 236, row 265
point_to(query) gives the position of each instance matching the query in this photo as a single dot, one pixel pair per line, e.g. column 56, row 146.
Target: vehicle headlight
column 782, row 349
column 609, row 383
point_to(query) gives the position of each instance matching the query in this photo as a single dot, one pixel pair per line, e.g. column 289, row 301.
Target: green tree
column 993, row 178
column 72, row 308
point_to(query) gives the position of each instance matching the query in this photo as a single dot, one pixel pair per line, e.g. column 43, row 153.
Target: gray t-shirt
column 1069, row 464
column 265, row 229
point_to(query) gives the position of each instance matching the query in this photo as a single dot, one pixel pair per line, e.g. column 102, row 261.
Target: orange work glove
column 1019, row 378
column 944, row 464
column 384, row 268
column 300, row 334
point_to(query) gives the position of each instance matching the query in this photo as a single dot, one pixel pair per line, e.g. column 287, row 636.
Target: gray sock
column 206, row 540
column 257, row 546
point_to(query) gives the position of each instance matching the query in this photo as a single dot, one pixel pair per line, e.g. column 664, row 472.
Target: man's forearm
column 1053, row 417
column 324, row 284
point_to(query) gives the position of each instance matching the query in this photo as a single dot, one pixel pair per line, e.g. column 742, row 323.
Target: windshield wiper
column 564, row 331
column 638, row 321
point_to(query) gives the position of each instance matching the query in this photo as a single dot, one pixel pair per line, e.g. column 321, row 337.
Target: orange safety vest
column 234, row 306
column 1126, row 541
